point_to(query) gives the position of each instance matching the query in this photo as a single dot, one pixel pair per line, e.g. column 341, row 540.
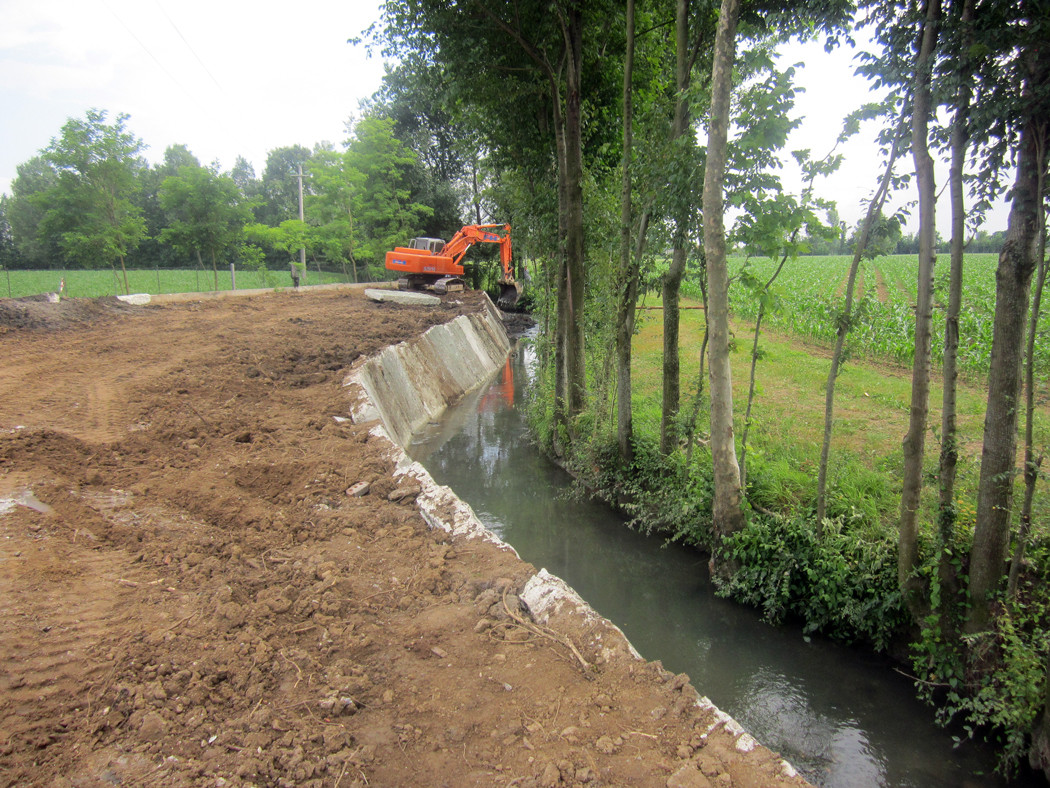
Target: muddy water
column 840, row 715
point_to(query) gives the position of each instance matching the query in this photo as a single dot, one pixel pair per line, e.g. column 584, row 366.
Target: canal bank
column 407, row 388
column 841, row 715
column 199, row 597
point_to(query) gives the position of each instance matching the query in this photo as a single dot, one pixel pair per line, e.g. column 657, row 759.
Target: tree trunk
column 127, row 289
column 845, row 324
column 727, row 512
column 561, row 376
column 915, row 440
column 946, row 573
column 1017, row 262
column 628, row 279
column 754, row 363
column 690, row 432
column 1031, row 462
column 672, row 280
column 574, row 263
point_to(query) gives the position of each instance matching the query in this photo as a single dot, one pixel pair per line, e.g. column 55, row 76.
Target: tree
column 949, row 455
column 375, row 189
column 627, row 279
column 517, row 71
column 727, row 513
column 915, row 440
column 331, row 208
column 89, row 208
column 279, row 189
column 26, row 213
column 687, row 49
column 206, row 213
column 9, row 256
column 869, row 227
column 1018, row 260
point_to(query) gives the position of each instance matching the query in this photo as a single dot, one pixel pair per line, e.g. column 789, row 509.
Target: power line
column 190, row 48
column 147, row 50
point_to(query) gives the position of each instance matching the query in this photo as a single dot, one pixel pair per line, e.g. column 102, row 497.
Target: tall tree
column 376, row 174
column 89, row 209
column 844, row 323
column 1018, row 260
column 949, row 456
column 279, row 198
column 727, row 513
column 206, row 213
column 915, row 440
column 522, row 78
column 682, row 145
column 628, row 274
column 35, row 178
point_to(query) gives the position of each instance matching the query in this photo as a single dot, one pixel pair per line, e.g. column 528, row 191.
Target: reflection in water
column 840, row 715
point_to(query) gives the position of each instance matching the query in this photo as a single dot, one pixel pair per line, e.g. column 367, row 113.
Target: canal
column 840, row 715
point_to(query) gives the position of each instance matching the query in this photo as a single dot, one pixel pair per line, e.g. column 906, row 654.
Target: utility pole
column 302, row 249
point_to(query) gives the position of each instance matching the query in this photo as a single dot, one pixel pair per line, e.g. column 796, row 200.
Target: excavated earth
column 190, row 597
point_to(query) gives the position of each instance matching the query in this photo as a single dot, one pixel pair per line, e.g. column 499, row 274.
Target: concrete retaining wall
column 411, row 384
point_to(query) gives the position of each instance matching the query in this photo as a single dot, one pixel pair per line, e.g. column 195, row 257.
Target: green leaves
column 206, row 212
column 88, row 207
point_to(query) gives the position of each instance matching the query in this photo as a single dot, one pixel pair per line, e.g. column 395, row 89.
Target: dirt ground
column 189, row 596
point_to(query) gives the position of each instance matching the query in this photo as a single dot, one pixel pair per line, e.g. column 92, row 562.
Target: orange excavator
column 430, row 263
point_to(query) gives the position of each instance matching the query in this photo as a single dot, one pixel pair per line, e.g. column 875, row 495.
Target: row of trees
column 574, row 101
column 614, row 137
column 90, row 199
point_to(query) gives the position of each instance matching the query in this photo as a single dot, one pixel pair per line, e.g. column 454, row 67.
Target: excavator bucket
column 509, row 293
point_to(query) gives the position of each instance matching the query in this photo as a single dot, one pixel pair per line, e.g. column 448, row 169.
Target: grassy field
column 93, row 284
column 871, row 417
column 808, row 296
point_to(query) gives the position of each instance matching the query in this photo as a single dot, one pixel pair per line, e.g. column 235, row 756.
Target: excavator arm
column 471, row 234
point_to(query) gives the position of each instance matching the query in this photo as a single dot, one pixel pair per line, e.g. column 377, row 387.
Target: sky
column 227, row 78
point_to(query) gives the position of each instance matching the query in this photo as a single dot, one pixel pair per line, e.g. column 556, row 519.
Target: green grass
column 871, row 416
column 97, row 283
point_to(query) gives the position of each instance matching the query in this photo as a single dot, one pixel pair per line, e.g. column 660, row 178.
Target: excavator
column 430, row 263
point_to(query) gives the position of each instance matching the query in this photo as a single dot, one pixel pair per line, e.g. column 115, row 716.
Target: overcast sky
column 236, row 78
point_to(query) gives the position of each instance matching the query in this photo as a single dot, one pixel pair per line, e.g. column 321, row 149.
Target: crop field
column 96, row 283
column 808, row 297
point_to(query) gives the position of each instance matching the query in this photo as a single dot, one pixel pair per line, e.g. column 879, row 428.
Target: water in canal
column 840, row 715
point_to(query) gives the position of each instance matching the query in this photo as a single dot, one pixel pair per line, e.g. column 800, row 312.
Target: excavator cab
column 432, row 245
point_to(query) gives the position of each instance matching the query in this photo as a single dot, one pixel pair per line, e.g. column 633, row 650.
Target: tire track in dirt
column 61, row 605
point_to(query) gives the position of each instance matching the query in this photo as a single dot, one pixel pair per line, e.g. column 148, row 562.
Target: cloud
column 223, row 78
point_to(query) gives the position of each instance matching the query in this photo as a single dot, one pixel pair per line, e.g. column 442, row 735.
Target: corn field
column 808, row 298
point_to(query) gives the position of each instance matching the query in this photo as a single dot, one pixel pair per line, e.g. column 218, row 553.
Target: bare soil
column 189, row 596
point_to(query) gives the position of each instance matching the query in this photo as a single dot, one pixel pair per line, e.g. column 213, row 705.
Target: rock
column 402, row 297
column 551, row 776
column 688, row 777
column 605, row 745
column 153, row 727
column 135, row 299
column 359, row 489
column 405, row 494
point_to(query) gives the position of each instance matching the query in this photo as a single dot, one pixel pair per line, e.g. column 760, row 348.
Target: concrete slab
column 403, row 297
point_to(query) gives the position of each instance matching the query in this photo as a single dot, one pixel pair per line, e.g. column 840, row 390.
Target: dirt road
column 189, row 597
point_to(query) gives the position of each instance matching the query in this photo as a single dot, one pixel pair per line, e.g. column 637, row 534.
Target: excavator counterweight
column 432, row 264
